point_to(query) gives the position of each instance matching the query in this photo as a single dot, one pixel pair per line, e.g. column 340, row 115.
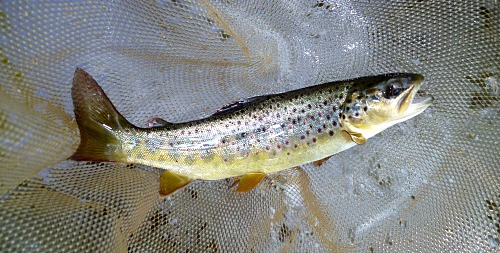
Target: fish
column 250, row 138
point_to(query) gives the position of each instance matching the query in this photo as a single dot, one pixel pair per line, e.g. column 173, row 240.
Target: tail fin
column 97, row 119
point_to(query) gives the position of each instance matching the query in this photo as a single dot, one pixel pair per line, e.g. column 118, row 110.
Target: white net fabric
column 430, row 184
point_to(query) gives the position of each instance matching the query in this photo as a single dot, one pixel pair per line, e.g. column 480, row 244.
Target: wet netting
column 430, row 184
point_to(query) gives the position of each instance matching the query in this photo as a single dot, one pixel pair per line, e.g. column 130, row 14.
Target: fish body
column 256, row 136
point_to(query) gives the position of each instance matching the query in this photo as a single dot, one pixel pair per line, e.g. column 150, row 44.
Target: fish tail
column 98, row 121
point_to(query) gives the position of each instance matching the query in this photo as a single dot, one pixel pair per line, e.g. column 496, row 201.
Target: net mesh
column 431, row 184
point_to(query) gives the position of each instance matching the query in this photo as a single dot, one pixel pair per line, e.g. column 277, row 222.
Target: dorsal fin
column 238, row 105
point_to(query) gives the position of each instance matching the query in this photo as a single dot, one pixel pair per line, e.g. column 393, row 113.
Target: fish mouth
column 409, row 106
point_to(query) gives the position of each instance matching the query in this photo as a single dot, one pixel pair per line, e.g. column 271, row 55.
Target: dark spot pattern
column 274, row 126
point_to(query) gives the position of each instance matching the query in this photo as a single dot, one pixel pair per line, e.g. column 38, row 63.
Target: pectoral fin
column 356, row 137
column 171, row 182
column 249, row 181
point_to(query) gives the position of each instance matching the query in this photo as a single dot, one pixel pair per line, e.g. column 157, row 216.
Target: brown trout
column 250, row 138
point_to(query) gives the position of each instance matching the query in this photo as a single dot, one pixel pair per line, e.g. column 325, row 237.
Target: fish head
column 377, row 103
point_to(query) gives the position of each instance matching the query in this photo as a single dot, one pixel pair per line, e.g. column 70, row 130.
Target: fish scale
column 247, row 139
column 263, row 137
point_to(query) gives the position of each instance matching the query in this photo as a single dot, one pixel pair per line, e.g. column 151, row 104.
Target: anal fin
column 171, row 182
column 249, row 181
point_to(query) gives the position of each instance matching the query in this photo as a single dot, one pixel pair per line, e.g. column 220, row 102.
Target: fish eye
column 393, row 91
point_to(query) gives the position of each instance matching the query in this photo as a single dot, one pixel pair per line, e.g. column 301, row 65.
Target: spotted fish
column 250, row 138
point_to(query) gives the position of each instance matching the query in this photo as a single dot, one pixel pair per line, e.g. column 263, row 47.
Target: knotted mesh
column 431, row 184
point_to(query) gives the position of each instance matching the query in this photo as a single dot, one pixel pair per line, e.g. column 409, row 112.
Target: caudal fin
column 97, row 119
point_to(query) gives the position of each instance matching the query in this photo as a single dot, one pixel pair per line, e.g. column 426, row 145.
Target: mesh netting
column 429, row 184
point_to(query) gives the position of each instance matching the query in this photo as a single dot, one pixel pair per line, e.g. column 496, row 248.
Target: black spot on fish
column 331, row 133
column 334, row 123
column 325, row 102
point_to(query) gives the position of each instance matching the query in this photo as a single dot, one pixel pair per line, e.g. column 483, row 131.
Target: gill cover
column 382, row 102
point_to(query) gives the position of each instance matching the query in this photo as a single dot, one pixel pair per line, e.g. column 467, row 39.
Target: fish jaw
column 384, row 113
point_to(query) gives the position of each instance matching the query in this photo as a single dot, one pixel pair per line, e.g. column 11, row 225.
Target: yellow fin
column 357, row 137
column 249, row 181
column 321, row 161
column 171, row 182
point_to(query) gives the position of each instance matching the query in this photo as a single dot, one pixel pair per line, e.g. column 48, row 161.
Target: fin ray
column 171, row 182
column 97, row 119
column 238, row 105
column 249, row 181
column 356, row 137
